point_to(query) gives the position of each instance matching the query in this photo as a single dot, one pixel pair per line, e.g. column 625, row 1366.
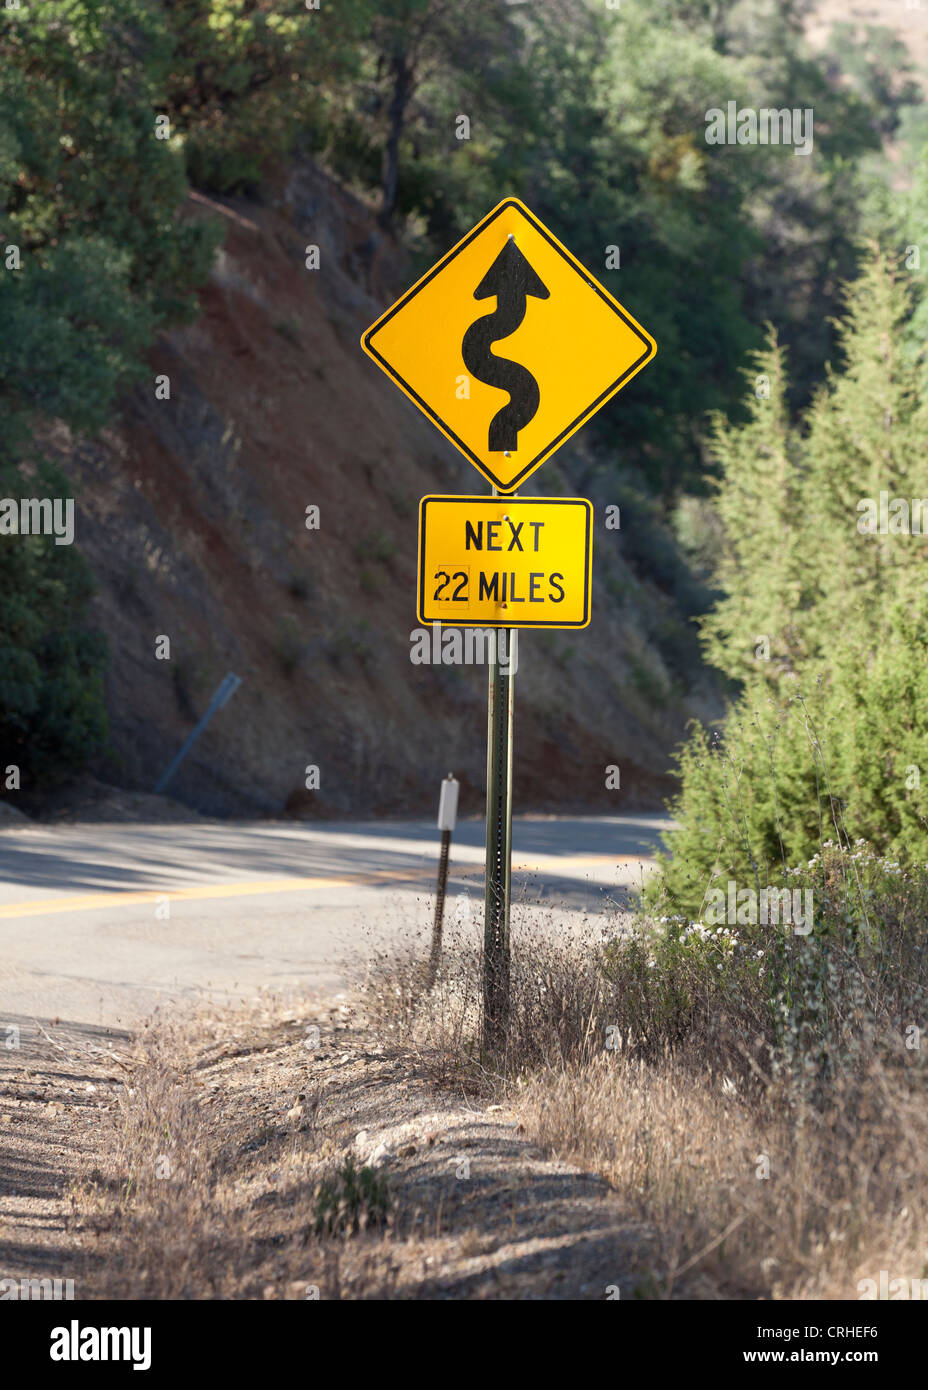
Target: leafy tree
column 52, row 715
column 879, row 66
column 93, row 260
column 426, row 63
column 89, row 197
column 245, row 80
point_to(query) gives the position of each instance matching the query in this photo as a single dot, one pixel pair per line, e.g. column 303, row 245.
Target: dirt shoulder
column 59, row 1089
column 195, row 1162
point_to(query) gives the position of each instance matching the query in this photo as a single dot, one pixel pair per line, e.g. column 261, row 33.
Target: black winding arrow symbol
column 512, row 280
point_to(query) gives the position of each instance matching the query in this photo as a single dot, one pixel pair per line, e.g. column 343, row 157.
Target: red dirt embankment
column 192, row 512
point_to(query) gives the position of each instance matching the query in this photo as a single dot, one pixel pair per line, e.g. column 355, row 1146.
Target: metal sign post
column 499, row 848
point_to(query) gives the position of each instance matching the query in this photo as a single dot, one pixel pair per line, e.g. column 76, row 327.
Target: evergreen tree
column 759, row 568
column 828, row 739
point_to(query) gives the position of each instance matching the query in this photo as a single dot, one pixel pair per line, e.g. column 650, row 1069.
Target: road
column 101, row 923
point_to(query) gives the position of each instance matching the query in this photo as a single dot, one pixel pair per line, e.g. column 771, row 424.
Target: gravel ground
column 474, row 1210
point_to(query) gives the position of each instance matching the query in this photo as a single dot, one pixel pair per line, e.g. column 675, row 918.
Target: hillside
column 191, row 511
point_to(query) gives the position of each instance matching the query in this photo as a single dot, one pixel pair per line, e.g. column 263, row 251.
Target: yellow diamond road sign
column 508, row 344
column 505, row 562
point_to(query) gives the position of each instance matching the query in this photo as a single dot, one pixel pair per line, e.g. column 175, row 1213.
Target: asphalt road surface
column 99, row 924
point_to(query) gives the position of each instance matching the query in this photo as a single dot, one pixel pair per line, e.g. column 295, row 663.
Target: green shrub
column 352, row 1200
column 768, row 1006
column 52, row 661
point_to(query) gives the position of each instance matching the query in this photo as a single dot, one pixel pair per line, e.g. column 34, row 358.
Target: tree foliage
column 92, row 262
column 823, row 618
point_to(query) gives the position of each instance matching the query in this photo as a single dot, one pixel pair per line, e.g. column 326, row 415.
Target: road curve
column 101, row 923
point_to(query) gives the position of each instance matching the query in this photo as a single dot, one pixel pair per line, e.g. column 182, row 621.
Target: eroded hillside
column 192, row 513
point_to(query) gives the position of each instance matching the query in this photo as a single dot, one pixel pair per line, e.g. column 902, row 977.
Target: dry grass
column 752, row 1111
column 220, row 1179
column 843, row 1199
column 755, row 1101
column 559, row 991
column 213, row 1179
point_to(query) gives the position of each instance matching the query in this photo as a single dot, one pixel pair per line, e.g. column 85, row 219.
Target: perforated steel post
column 499, row 848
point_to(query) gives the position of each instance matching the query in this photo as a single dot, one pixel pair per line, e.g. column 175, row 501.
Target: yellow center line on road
column 86, row 902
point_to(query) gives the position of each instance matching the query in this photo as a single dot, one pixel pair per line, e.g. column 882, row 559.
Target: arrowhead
column 510, row 271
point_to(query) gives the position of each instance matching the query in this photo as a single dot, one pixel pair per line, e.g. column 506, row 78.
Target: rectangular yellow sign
column 505, row 561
